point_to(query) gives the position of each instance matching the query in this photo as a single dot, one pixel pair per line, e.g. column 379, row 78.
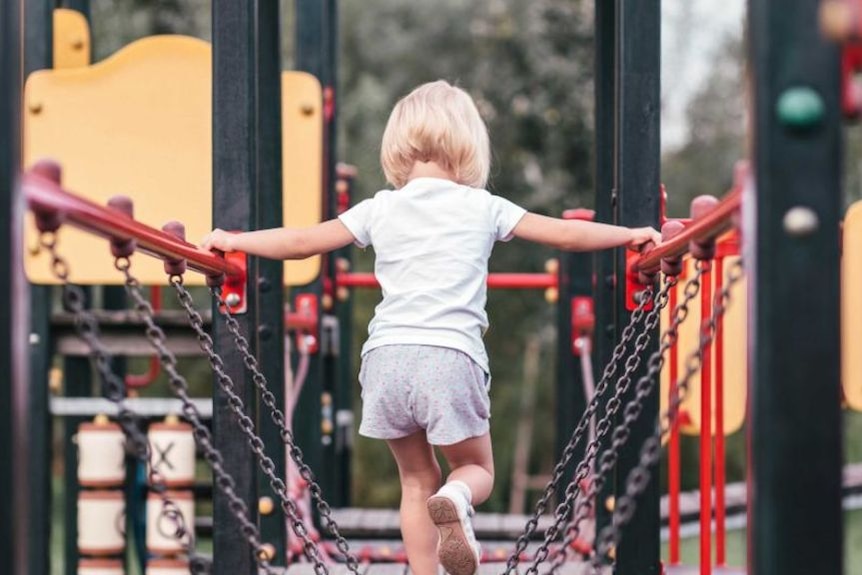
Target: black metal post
column 14, row 479
column 793, row 260
column 637, row 179
column 38, row 54
column 605, row 137
column 310, row 57
column 82, row 6
column 235, row 195
column 270, row 285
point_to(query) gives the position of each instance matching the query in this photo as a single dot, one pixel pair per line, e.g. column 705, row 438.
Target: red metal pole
column 495, row 280
column 674, row 473
column 706, row 433
column 47, row 199
column 718, row 221
column 720, row 556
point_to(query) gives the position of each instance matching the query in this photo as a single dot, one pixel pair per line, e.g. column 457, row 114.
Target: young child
column 425, row 374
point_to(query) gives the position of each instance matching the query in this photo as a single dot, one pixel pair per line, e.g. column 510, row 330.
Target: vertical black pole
column 270, row 285
column 638, row 168
column 38, row 54
column 82, row 6
column 14, row 432
column 235, row 193
column 310, row 57
column 605, row 138
column 793, row 262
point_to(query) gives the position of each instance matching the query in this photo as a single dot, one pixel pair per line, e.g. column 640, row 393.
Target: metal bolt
column 267, row 551
column 35, row 339
column 800, row 107
column 265, row 332
column 232, row 299
column 801, row 221
column 610, row 503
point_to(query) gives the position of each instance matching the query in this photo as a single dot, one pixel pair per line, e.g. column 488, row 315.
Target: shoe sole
column 455, row 553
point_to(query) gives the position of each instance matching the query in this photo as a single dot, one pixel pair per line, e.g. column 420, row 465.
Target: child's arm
column 282, row 243
column 581, row 236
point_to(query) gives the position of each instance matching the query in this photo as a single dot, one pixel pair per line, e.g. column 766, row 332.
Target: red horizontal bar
column 710, row 226
column 495, row 281
column 45, row 196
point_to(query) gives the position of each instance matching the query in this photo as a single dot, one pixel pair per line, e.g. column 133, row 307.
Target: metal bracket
column 634, row 286
column 233, row 291
column 305, row 320
column 583, row 320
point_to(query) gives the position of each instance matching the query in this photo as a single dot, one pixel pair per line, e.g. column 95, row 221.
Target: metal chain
column 650, row 453
column 113, row 388
column 279, row 419
column 565, row 509
column 631, row 412
column 223, row 480
column 237, row 407
column 583, row 425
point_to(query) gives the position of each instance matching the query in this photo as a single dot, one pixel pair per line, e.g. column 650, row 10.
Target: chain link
column 223, row 480
column 113, row 388
column 631, row 412
column 650, row 453
column 279, row 419
column 583, row 425
column 237, row 408
column 561, row 523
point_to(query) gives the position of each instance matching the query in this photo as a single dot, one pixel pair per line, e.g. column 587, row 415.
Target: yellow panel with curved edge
column 851, row 307
column 302, row 163
column 71, row 39
column 735, row 361
column 139, row 124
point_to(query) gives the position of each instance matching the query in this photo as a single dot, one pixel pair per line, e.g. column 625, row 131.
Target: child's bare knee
column 421, row 480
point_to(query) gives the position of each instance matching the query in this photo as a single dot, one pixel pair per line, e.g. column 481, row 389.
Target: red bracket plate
column 233, row 291
column 633, row 284
column 305, row 320
column 583, row 320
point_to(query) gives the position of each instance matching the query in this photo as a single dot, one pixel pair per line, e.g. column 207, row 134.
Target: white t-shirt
column 432, row 240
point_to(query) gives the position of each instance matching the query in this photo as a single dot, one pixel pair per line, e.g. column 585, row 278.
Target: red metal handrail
column 718, row 221
column 47, row 198
column 495, row 280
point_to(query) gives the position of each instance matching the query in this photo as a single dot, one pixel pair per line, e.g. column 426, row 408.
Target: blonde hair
column 436, row 122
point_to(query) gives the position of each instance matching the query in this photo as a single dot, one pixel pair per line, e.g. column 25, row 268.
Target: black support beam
column 637, row 183
column 793, row 262
column 235, row 192
column 14, row 480
column 270, row 286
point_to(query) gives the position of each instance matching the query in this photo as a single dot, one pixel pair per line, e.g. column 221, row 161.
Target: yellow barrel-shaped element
column 100, row 567
column 101, row 455
column 162, row 527
column 851, row 308
column 71, row 39
column 101, row 523
column 173, row 452
column 164, row 566
column 140, row 124
column 735, row 362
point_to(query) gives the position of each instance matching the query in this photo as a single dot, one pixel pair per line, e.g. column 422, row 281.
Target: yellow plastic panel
column 735, row 343
column 71, row 39
column 140, row 124
column 302, row 163
column 851, row 304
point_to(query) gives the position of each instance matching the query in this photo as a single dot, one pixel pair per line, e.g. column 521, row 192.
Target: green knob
column 800, row 108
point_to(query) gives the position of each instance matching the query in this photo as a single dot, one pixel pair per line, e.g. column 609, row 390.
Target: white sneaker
column 458, row 550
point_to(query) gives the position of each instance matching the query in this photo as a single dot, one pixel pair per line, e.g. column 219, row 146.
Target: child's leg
column 420, row 478
column 472, row 463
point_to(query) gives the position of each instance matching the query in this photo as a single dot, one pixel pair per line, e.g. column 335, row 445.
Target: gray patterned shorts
column 406, row 388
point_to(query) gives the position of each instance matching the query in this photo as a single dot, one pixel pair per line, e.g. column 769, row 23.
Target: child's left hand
column 219, row 240
column 642, row 236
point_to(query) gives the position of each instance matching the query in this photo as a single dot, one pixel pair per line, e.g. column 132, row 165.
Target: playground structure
column 782, row 214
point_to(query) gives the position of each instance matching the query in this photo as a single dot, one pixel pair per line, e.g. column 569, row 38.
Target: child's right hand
column 219, row 240
column 643, row 236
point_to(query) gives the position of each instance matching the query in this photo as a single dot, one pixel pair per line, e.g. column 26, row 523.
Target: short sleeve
column 505, row 215
column 358, row 221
